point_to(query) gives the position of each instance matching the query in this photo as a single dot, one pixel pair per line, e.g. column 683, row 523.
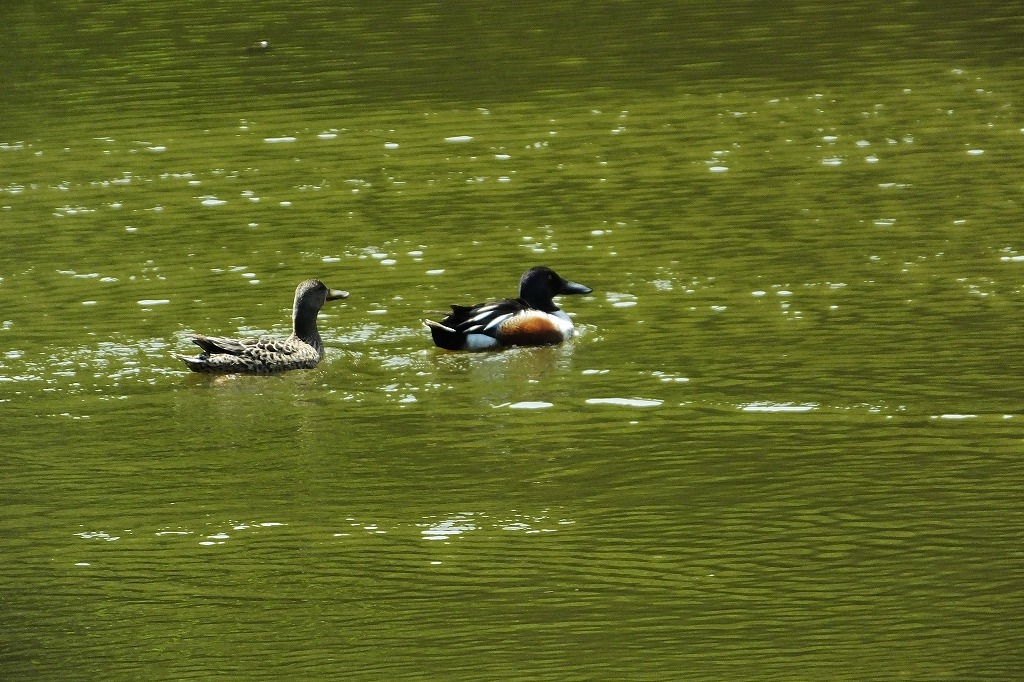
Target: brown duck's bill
column 336, row 294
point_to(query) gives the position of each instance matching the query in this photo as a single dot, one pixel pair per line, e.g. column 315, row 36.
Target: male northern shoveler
column 267, row 355
column 533, row 319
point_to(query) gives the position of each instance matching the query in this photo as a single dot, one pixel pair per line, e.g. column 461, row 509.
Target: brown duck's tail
column 196, row 363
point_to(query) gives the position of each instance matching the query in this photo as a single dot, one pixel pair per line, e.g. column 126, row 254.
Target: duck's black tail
column 444, row 337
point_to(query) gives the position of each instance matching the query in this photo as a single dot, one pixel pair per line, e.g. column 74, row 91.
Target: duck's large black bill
column 574, row 288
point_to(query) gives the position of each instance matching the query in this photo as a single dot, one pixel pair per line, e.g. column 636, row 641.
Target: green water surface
column 785, row 445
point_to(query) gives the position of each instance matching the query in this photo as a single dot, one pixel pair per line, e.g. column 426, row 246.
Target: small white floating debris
column 330, row 259
column 439, row 271
column 388, row 261
column 625, row 402
column 777, row 407
column 718, row 169
column 863, row 143
column 156, row 148
column 871, row 159
column 330, row 135
column 885, row 222
column 1012, row 259
column 444, row 530
column 279, row 140
column 975, row 152
column 529, row 405
column 830, row 138
column 146, row 302
column 783, row 292
column 88, row 302
column 758, row 293
column 390, row 145
column 832, row 161
column 957, row 416
column 213, row 201
column 83, row 563
column 621, row 300
column 458, row 138
column 503, row 157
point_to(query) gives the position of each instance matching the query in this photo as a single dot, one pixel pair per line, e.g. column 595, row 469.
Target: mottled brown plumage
column 268, row 355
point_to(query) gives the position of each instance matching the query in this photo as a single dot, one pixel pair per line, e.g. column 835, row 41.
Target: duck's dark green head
column 541, row 284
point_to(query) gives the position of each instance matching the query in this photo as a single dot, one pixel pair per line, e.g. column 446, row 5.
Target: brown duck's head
column 311, row 295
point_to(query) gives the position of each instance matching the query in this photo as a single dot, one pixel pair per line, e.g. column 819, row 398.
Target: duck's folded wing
column 222, row 345
column 484, row 318
column 276, row 346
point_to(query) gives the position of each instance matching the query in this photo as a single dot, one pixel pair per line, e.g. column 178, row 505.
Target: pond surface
column 786, row 444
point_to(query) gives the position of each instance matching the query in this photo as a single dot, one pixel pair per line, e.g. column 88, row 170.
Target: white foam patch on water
column 447, row 528
column 620, row 299
column 465, row 522
column 458, row 138
column 778, row 407
column 529, row 405
column 625, row 402
column 146, row 302
column 280, row 140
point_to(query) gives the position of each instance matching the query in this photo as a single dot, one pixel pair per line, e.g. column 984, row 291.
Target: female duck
column 267, row 355
column 533, row 319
